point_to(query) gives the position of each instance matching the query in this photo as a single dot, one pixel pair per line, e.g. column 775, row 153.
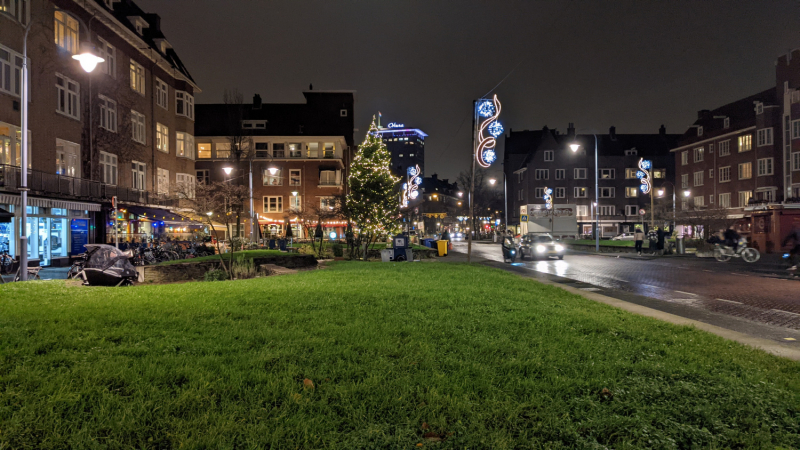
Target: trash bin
column 282, row 245
column 387, row 255
column 442, row 246
column 428, row 242
column 680, row 245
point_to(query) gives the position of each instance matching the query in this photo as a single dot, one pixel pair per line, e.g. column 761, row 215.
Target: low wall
column 195, row 271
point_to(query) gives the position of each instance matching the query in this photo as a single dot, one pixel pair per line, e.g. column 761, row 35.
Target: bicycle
column 77, row 267
column 748, row 254
column 6, row 262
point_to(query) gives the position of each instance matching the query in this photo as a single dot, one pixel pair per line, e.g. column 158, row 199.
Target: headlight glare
column 540, row 248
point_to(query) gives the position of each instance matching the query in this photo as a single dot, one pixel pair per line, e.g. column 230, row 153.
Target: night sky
column 631, row 64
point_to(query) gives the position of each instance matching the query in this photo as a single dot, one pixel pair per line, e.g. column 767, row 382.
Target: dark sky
column 631, row 64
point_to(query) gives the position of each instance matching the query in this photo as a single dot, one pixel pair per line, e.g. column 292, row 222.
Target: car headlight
column 559, row 248
column 540, row 248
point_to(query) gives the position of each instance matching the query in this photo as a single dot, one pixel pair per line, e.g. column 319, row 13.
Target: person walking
column 660, row 235
column 794, row 253
column 638, row 236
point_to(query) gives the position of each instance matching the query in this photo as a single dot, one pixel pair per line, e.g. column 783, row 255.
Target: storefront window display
column 47, row 232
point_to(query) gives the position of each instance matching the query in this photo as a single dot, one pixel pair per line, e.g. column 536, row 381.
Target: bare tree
column 242, row 148
column 484, row 198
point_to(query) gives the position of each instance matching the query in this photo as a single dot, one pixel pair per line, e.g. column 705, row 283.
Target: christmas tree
column 373, row 201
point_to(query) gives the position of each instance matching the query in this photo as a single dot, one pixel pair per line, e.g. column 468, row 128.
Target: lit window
column 745, row 171
column 187, row 183
column 744, row 198
column 223, row 150
column 725, row 200
column 294, row 177
column 271, row 179
column 184, row 145
column 163, row 181
column 579, row 192
column 137, row 77
column 685, row 157
column 631, row 191
column 66, row 29
column 162, row 138
column 607, row 174
column 203, row 151
column 745, row 143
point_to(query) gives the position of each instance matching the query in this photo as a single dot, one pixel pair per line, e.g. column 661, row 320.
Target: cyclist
column 732, row 238
column 794, row 253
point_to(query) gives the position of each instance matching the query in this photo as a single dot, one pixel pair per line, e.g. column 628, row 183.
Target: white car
column 623, row 237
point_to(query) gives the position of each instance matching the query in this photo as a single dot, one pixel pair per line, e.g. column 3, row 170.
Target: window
column 795, row 191
column 262, row 150
column 631, row 152
column 295, row 203
column 184, row 104
column 724, row 148
column 698, row 178
column 163, row 181
column 327, row 178
column 580, row 192
column 548, row 155
column 582, row 211
column 342, row 113
column 109, row 53
column 162, row 138
column 725, row 174
column 744, row 198
column 685, row 180
column 108, row 113
column 659, row 173
column 223, row 150
column 561, row 174
column 711, row 199
column 607, row 174
column 726, row 123
column 312, row 149
column 66, row 28
column 580, row 174
column 765, row 167
column 137, row 127
column 68, row 157
column 18, row 9
column 137, row 77
column 10, row 71
column 685, row 157
column 561, row 192
column 294, row 177
column 295, row 150
column 542, row 174
column 187, row 183
column 745, row 143
column 725, row 200
column 604, row 210
column 745, row 171
column 162, row 94
column 684, row 205
column 271, row 179
column 699, row 201
column 699, row 131
column 278, row 150
column 630, row 173
column 631, row 192
column 520, row 176
column 764, row 137
column 273, row 204
column 796, row 128
column 631, row 210
column 67, row 101
column 759, row 108
column 203, row 176
column 767, row 194
column 795, row 161
column 606, row 192
column 539, row 192
column 520, row 195
column 329, row 150
column 108, row 167
column 184, row 145
column 327, row 203
column 699, row 152
column 203, row 151
column 139, row 172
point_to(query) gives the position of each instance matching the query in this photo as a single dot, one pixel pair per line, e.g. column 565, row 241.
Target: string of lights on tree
column 486, row 152
column 372, row 200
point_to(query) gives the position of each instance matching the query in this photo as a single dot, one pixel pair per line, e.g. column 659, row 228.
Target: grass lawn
column 478, row 357
column 247, row 254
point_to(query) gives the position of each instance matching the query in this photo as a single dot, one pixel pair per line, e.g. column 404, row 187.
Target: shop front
column 143, row 224
column 275, row 229
column 55, row 229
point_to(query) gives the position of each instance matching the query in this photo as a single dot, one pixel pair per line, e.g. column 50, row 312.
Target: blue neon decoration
column 495, row 129
column 489, row 155
column 418, row 181
column 646, row 164
column 486, row 108
column 640, row 174
column 643, row 174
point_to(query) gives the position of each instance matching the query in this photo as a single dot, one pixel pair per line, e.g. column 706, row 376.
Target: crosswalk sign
column 524, row 218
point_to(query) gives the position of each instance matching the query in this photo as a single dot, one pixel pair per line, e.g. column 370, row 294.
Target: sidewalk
column 47, row 273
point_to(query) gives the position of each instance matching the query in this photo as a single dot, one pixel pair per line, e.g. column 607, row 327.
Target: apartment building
column 124, row 130
column 540, row 159
column 299, row 159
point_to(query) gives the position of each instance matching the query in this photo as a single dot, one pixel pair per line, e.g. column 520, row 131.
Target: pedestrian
column 794, row 253
column 660, row 234
column 638, row 236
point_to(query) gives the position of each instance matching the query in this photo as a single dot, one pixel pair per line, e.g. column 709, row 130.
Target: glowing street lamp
column 294, row 193
column 273, row 171
column 227, row 170
column 492, row 181
column 460, row 194
column 209, row 214
column 87, row 57
column 687, row 193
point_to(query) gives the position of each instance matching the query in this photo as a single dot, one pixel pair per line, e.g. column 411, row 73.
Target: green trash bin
column 442, row 247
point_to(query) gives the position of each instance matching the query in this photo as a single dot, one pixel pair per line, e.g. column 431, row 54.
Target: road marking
column 785, row 312
column 727, row 301
column 789, row 339
column 687, row 293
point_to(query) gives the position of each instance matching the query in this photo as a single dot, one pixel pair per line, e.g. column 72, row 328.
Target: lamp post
column 574, row 147
column 272, row 171
column 661, row 192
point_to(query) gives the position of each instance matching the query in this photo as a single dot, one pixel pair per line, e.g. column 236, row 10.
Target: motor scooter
column 510, row 250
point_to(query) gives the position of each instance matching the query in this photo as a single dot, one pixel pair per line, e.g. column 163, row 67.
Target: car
column 623, row 237
column 537, row 246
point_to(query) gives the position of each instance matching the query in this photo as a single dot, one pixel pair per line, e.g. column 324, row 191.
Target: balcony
column 63, row 187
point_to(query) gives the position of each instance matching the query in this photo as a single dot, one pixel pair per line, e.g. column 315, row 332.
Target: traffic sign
column 524, row 218
column 642, row 212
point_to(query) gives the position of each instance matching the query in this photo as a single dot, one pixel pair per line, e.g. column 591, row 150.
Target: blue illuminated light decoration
column 410, row 189
column 332, row 235
column 495, row 129
column 485, row 152
column 643, row 174
column 548, row 198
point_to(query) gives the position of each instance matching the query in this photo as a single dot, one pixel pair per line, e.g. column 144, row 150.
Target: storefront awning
column 157, row 215
column 50, row 203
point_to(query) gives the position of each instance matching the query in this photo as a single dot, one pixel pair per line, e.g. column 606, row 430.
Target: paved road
column 677, row 283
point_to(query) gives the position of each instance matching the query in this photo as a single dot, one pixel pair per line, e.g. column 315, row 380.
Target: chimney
column 434, row 177
column 703, row 114
column 612, row 133
column 571, row 130
column 256, row 101
column 662, row 131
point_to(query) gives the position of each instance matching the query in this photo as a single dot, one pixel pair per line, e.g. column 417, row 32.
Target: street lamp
column 227, row 170
column 273, row 171
column 492, row 181
column 574, row 147
column 460, row 194
column 87, row 57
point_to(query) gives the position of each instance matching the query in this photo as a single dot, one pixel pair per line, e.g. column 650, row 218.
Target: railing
column 60, row 186
column 328, row 183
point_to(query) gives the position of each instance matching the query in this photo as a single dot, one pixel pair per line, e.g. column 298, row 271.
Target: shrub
column 215, row 275
column 338, row 251
column 243, row 269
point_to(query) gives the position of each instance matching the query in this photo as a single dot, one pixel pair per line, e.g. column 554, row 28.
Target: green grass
column 246, row 254
column 486, row 359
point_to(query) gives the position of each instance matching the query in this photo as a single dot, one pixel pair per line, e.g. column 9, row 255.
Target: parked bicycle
column 6, row 261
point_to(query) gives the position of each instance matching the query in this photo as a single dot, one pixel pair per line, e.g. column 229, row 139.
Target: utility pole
column 472, row 182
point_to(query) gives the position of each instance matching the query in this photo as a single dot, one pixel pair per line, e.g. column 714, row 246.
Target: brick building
column 300, row 159
column 540, row 159
column 125, row 129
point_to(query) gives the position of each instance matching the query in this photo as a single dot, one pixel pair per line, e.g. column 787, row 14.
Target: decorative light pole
column 484, row 119
column 643, row 174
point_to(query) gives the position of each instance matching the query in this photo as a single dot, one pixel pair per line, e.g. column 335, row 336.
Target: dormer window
column 699, row 131
column 162, row 45
column 759, row 108
column 726, row 123
column 631, row 152
column 139, row 24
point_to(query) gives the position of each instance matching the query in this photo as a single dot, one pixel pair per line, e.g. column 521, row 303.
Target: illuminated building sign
column 395, row 125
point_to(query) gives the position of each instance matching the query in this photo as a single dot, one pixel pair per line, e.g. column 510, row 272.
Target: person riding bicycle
column 794, row 253
column 732, row 238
